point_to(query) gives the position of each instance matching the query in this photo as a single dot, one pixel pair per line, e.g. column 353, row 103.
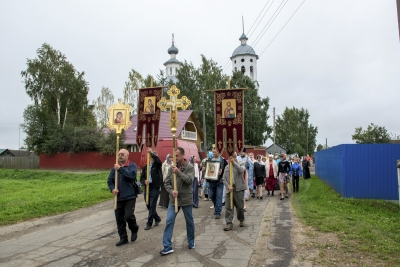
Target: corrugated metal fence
column 31, row 162
column 360, row 171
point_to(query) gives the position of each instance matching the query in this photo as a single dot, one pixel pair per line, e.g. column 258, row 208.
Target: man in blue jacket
column 126, row 196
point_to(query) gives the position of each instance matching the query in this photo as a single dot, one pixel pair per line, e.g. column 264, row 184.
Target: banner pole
column 116, row 173
column 231, row 183
column 147, row 178
column 173, row 130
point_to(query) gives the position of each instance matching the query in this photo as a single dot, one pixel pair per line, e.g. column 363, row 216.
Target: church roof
column 172, row 60
column 245, row 50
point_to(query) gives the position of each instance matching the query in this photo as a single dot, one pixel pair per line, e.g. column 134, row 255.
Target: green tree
column 374, row 134
column 320, row 147
column 101, row 105
column 195, row 83
column 52, row 81
column 131, row 94
column 60, row 100
column 293, row 128
column 147, row 81
column 256, row 128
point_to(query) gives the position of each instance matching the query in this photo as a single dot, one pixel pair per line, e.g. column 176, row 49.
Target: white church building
column 243, row 58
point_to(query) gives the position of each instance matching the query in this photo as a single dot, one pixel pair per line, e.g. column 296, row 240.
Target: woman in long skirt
column 192, row 160
column 272, row 172
column 306, row 168
column 164, row 195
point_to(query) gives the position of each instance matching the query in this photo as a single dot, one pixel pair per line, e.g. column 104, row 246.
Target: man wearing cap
column 126, row 196
column 238, row 188
column 154, row 184
column 216, row 188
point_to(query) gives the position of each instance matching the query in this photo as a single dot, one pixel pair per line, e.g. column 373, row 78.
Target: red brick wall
column 90, row 160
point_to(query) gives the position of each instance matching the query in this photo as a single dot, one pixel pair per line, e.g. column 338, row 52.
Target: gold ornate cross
column 173, row 104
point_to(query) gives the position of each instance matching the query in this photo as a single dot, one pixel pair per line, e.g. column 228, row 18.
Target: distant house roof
column 21, row 153
column 276, row 148
column 395, row 141
column 6, row 152
column 164, row 130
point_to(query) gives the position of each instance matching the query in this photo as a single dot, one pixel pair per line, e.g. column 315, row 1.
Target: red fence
column 90, row 160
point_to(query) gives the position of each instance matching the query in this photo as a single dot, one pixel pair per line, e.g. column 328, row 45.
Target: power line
column 261, row 18
column 283, row 26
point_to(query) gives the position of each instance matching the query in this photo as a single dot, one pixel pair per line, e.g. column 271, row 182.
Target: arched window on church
column 243, row 69
column 170, row 71
column 251, row 72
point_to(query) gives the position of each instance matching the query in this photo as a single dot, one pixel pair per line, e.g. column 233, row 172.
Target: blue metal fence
column 360, row 171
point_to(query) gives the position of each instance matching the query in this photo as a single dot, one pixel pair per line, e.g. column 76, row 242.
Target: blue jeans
column 170, row 222
column 151, row 207
column 215, row 191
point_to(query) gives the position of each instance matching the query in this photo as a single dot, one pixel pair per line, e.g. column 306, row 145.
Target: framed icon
column 119, row 116
column 228, row 108
column 149, row 105
column 212, row 168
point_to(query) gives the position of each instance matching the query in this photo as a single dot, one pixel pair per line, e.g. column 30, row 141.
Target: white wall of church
column 248, row 62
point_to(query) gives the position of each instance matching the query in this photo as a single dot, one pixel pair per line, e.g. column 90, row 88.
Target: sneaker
column 212, row 207
column 148, row 227
column 228, row 227
column 217, row 216
column 241, row 224
column 205, row 199
column 253, row 195
column 166, row 251
column 192, row 247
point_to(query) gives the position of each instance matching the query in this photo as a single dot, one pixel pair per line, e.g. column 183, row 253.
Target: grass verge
column 363, row 226
column 28, row 194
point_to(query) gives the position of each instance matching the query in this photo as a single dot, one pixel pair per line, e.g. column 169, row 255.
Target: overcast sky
column 338, row 59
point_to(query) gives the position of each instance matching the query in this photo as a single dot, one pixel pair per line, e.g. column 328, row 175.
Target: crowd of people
column 250, row 176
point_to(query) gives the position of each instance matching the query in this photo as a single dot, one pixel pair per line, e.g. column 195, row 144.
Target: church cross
column 173, row 104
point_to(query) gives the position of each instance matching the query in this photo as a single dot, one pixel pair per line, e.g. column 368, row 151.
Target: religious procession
column 227, row 176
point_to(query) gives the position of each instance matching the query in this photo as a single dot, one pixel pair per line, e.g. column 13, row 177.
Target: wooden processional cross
column 173, row 104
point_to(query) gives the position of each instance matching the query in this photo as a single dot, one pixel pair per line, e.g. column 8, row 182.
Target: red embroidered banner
column 229, row 120
column 148, row 116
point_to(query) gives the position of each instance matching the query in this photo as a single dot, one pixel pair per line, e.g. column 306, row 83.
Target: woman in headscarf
column 271, row 169
column 306, row 168
column 164, row 195
column 192, row 160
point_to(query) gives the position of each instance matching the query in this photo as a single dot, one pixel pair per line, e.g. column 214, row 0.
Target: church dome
column 244, row 50
column 173, row 50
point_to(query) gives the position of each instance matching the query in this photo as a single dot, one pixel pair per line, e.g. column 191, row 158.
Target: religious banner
column 229, row 120
column 148, row 116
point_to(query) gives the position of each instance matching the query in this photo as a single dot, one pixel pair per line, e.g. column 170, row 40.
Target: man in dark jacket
column 126, row 196
column 154, row 184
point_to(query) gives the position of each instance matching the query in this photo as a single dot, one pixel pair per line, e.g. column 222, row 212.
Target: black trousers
column 295, row 182
column 151, row 207
column 125, row 214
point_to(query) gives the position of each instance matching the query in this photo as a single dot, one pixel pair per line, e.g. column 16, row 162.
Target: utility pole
column 398, row 14
column 326, row 143
column 307, row 139
column 274, row 132
column 204, row 125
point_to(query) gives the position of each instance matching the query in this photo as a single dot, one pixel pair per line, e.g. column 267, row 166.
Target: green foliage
column 374, row 134
column 194, row 83
column 320, row 147
column 60, row 100
column 28, row 194
column 369, row 226
column 147, row 81
column 256, row 128
column 101, row 105
column 131, row 94
column 291, row 129
column 108, row 142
